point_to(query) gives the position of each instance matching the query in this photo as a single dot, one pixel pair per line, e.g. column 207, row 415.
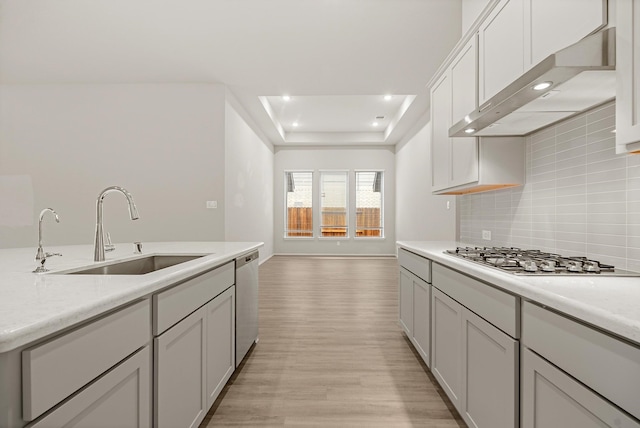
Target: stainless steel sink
column 136, row 267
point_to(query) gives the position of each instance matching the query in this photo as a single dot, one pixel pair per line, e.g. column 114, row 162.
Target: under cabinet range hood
column 563, row 84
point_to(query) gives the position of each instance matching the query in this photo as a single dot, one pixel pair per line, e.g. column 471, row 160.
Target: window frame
column 347, row 174
column 355, row 204
column 286, row 207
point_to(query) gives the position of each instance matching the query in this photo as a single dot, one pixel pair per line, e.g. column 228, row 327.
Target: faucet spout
column 40, row 254
column 98, row 251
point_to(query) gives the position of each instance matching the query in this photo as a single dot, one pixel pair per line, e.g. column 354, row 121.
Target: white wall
column 249, row 181
column 354, row 158
column 419, row 214
column 60, row 145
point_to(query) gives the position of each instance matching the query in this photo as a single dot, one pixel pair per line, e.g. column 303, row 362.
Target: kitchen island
column 99, row 332
column 559, row 350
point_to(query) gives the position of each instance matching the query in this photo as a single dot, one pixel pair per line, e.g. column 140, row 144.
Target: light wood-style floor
column 331, row 353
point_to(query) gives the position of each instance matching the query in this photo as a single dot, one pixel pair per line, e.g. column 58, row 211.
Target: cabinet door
column 120, row 398
column 220, row 343
column 405, row 302
column 180, row 370
column 446, row 344
column 440, row 140
column 421, row 318
column 501, row 48
column 551, row 398
column 464, row 99
column 628, row 75
column 551, row 25
column 489, row 372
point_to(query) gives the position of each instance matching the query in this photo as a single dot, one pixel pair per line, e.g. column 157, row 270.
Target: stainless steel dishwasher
column 246, row 304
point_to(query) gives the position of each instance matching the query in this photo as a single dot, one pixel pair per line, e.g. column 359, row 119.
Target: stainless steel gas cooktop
column 535, row 262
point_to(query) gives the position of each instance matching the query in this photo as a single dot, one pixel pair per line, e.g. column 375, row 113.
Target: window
column 299, row 214
column 334, row 196
column 369, row 187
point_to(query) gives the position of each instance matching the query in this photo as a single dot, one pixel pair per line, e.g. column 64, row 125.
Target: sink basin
column 138, row 266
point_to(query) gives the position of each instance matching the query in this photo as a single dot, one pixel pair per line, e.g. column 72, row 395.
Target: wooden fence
column 300, row 222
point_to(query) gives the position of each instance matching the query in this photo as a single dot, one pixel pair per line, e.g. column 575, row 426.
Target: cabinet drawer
column 55, row 369
column 607, row 365
column 120, row 398
column 495, row 306
column 174, row 304
column 416, row 264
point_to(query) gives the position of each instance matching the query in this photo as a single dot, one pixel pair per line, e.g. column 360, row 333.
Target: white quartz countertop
column 34, row 306
column 610, row 303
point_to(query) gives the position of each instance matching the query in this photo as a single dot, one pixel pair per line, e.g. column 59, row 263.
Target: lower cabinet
column 489, row 374
column 446, row 344
column 193, row 361
column 221, row 324
column 475, row 363
column 415, row 312
column 120, row 398
column 181, row 373
column 551, row 398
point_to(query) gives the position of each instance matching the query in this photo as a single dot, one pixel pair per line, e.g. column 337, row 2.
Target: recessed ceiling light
column 375, row 123
column 295, row 124
column 541, row 86
column 470, row 130
column 387, row 97
column 286, row 97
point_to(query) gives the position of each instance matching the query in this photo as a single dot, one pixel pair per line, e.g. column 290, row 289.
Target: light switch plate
column 486, row 235
column 212, row 204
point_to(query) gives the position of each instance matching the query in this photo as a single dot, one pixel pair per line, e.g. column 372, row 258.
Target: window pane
column 369, row 204
column 299, row 197
column 333, row 204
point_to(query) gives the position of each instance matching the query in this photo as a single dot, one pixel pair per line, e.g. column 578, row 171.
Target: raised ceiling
column 335, row 58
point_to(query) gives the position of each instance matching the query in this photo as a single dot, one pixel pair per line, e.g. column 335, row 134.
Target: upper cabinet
column 551, row 25
column 468, row 164
column 501, row 48
column 518, row 34
column 510, row 37
column 628, row 76
column 454, row 160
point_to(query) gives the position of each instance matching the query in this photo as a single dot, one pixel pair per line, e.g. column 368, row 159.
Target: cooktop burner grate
column 536, row 262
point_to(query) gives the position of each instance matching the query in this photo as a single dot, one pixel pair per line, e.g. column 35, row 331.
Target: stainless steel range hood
column 581, row 76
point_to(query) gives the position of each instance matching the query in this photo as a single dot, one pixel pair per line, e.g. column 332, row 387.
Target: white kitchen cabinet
column 440, row 140
column 628, row 76
column 551, row 25
column 454, row 160
column 446, row 344
column 220, row 342
column 551, row 398
column 473, row 358
column 464, row 99
column 415, row 301
column 405, row 302
column 489, row 374
column 180, row 366
column 462, row 165
column 55, row 369
column 415, row 312
column 606, row 365
column 500, row 48
column 119, row 399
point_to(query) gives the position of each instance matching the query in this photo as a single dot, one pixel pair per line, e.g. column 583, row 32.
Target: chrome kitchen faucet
column 41, row 256
column 99, row 246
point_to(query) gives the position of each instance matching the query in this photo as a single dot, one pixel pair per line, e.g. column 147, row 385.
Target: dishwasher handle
column 246, row 259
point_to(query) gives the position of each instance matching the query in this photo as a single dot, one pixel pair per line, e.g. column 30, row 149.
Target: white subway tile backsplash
column 566, row 126
column 579, row 197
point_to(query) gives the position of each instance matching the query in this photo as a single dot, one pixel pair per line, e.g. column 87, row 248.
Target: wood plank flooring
column 331, row 353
